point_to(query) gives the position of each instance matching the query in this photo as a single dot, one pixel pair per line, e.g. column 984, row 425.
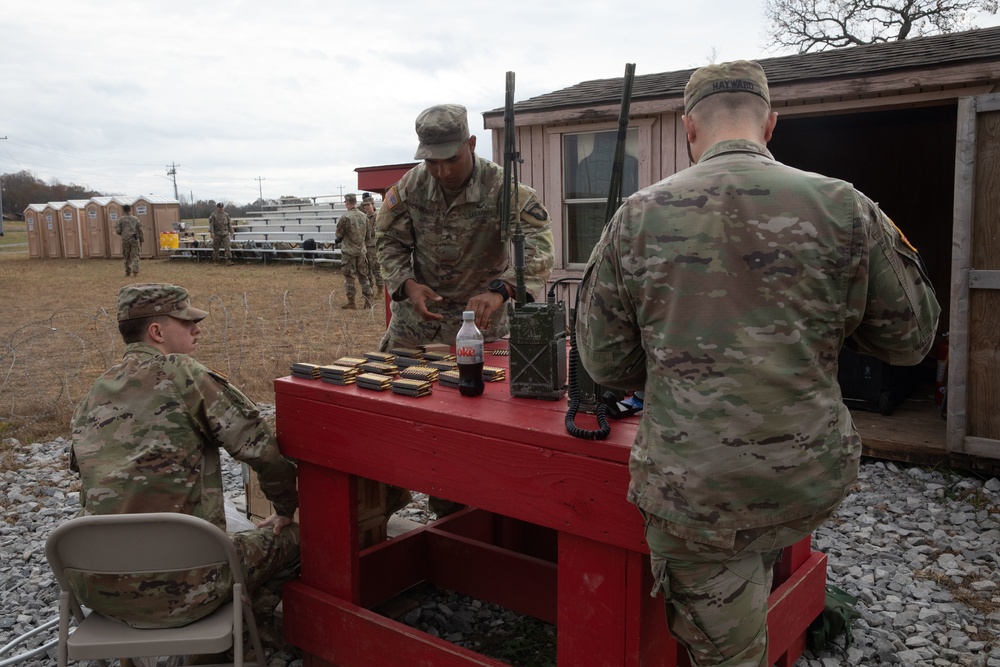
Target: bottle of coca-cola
column 469, row 354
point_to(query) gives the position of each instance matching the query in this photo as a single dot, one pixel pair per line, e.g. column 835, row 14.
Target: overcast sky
column 109, row 93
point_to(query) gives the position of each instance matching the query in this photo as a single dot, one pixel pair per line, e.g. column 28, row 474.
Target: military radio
column 537, row 329
column 585, row 394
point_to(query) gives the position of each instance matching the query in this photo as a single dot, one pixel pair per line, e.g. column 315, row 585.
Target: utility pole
column 260, row 190
column 1, row 200
column 172, row 171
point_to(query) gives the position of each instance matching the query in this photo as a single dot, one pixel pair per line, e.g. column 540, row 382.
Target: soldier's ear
column 154, row 332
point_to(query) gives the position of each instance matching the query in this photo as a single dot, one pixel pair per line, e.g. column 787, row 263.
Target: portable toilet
column 158, row 215
column 50, row 228
column 96, row 227
column 142, row 209
column 76, row 241
column 33, row 225
column 113, row 211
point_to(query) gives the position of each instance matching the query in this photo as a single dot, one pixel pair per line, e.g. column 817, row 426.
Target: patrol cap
column 151, row 299
column 352, row 198
column 739, row 76
column 441, row 130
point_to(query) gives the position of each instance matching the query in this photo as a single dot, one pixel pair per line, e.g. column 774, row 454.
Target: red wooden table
column 553, row 535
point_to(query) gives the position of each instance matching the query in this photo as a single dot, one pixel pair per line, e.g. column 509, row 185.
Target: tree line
column 24, row 188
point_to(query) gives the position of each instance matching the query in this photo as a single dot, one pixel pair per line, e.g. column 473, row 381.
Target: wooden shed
column 913, row 124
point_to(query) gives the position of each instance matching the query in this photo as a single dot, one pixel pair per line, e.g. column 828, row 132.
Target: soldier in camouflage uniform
column 440, row 245
column 726, row 291
column 221, row 228
column 148, row 438
column 130, row 229
column 352, row 228
column 371, row 250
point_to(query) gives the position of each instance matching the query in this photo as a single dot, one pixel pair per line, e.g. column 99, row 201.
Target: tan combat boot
column 350, row 304
column 368, row 302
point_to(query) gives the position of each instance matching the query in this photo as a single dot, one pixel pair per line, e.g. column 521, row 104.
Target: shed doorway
column 904, row 159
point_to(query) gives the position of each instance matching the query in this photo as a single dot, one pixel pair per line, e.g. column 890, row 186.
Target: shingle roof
column 911, row 54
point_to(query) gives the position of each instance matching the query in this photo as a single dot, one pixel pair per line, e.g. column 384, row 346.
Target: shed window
column 587, row 160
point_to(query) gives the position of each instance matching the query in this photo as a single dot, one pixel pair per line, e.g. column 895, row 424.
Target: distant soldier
column 371, row 254
column 221, row 228
column 130, row 229
column 352, row 228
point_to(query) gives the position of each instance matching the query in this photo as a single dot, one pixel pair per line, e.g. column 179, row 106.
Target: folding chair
column 137, row 544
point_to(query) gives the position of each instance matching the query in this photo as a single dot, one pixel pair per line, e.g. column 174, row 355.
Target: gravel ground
column 918, row 547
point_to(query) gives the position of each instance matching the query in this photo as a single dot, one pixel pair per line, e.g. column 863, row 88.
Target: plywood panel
column 983, row 395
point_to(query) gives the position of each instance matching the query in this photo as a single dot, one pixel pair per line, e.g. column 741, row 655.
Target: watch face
column 500, row 288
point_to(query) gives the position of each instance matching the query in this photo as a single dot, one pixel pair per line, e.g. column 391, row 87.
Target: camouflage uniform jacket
column 219, row 224
column 147, row 439
column 726, row 292
column 352, row 228
column 455, row 250
column 128, row 226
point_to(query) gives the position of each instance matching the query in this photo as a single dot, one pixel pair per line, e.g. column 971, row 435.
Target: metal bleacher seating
column 277, row 233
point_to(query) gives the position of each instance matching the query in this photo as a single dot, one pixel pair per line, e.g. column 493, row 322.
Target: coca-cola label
column 469, row 353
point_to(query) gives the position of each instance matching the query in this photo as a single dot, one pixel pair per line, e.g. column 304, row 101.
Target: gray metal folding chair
column 146, row 543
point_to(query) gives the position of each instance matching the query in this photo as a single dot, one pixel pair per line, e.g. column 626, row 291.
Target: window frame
column 557, row 175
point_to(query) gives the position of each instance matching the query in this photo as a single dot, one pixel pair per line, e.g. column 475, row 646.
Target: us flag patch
column 392, row 198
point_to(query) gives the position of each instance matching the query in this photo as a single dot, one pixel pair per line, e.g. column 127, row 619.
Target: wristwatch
column 500, row 287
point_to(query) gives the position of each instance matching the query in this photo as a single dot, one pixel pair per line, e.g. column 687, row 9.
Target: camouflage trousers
column 716, row 598
column 268, row 561
column 130, row 252
column 374, row 272
column 355, row 266
column 221, row 241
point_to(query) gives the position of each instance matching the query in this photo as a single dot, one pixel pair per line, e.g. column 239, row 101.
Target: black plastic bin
column 870, row 384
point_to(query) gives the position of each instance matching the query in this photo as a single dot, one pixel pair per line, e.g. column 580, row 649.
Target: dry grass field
column 58, row 328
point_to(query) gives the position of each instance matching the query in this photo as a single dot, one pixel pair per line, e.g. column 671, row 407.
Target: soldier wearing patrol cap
column 440, row 245
column 371, row 249
column 148, row 438
column 130, row 229
column 726, row 292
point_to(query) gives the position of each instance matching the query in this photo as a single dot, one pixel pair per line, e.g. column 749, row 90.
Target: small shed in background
column 380, row 178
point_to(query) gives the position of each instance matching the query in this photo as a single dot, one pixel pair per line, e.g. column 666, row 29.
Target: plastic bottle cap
column 468, row 314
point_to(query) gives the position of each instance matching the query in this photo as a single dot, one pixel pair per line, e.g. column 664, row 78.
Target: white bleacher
column 278, row 232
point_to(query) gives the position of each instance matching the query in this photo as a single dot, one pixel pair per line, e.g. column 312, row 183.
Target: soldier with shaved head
column 726, row 292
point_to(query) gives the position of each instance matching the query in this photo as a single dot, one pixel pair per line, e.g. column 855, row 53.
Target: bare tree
column 817, row 25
